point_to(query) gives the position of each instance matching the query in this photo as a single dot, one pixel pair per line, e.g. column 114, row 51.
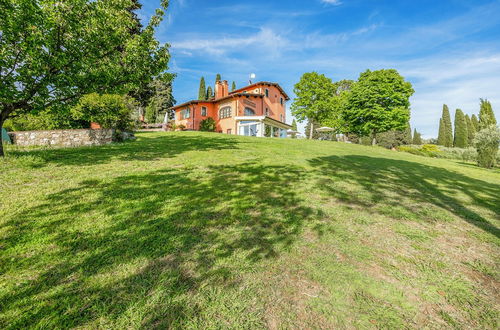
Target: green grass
column 204, row 230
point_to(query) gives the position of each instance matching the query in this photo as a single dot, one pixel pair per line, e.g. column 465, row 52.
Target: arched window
column 249, row 112
column 225, row 112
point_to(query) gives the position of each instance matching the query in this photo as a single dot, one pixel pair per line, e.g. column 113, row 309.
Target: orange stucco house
column 258, row 109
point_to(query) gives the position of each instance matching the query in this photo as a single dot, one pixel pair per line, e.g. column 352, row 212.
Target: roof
column 216, row 100
column 265, row 83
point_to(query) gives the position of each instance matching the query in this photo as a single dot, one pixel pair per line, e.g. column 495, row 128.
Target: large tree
column 378, row 102
column 54, row 52
column 461, row 137
column 486, row 115
column 314, row 93
column 202, row 91
column 441, row 140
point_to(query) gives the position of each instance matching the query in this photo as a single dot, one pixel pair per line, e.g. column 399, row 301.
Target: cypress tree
column 217, row 78
column 233, row 86
column 486, row 115
column 210, row 93
column 475, row 123
column 202, row 90
column 470, row 130
column 294, row 125
column 441, row 139
column 417, row 138
column 448, row 129
column 407, row 138
column 461, row 135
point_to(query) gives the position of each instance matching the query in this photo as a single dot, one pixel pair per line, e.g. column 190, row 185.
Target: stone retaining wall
column 65, row 137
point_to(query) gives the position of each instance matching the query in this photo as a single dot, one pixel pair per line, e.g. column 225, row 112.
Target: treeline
column 374, row 108
column 462, row 133
column 208, row 93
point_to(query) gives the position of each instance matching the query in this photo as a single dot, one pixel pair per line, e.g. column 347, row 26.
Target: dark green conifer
column 202, row 91
column 461, row 138
column 486, row 115
column 448, row 129
column 417, row 138
column 233, row 86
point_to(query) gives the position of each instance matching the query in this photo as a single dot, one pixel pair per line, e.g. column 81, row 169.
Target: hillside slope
column 208, row 230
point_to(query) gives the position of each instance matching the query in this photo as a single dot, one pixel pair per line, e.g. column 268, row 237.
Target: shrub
column 109, row 110
column 486, row 142
column 430, row 148
column 47, row 119
column 208, row 125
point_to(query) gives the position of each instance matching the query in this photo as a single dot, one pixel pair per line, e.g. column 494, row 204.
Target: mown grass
column 202, row 230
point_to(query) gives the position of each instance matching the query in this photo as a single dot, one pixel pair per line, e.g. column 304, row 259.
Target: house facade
column 258, row 109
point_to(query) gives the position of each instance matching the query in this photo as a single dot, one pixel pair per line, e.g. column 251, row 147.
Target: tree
column 210, row 94
column 475, row 123
column 441, row 140
column 417, row 138
column 314, row 94
column 208, row 125
column 202, row 94
column 486, row 142
column 486, row 115
column 407, row 138
column 378, row 102
column 338, row 105
column 109, row 110
column 162, row 99
column 470, row 130
column 217, row 78
column 53, row 54
column 447, row 134
column 294, row 125
column 233, row 87
column 392, row 138
column 461, row 135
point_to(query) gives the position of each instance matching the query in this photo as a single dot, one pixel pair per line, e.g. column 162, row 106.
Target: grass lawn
column 204, row 230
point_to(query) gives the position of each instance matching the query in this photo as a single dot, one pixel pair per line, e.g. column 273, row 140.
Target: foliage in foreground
column 204, row 230
column 53, row 53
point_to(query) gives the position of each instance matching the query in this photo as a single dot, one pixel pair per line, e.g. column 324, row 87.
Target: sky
column 448, row 49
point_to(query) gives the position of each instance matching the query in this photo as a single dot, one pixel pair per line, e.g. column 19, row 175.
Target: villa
column 258, row 109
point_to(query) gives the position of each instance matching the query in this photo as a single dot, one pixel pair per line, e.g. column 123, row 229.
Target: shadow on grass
column 145, row 148
column 184, row 229
column 385, row 184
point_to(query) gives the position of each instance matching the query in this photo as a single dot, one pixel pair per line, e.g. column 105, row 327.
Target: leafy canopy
column 314, row 94
column 53, row 52
column 378, row 102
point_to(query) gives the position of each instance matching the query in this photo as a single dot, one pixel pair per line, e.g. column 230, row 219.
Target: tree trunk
column 374, row 139
column 311, row 130
column 1, row 138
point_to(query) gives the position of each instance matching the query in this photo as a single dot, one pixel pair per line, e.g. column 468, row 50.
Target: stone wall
column 65, row 137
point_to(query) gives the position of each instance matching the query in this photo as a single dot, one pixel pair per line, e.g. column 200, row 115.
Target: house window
column 281, row 117
column 249, row 112
column 203, row 111
column 267, row 92
column 267, row 112
column 228, row 131
column 186, row 113
column 225, row 112
column 281, row 100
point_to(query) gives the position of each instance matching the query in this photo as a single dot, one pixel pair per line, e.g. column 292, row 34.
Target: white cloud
column 332, row 2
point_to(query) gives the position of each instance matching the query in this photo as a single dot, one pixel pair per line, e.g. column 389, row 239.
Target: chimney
column 221, row 89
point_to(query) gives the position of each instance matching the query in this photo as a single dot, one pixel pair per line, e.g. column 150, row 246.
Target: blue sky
column 448, row 50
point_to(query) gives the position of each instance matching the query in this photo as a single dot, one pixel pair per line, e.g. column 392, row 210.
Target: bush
column 109, row 110
column 430, row 148
column 47, row 119
column 208, row 125
column 427, row 150
column 487, row 141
